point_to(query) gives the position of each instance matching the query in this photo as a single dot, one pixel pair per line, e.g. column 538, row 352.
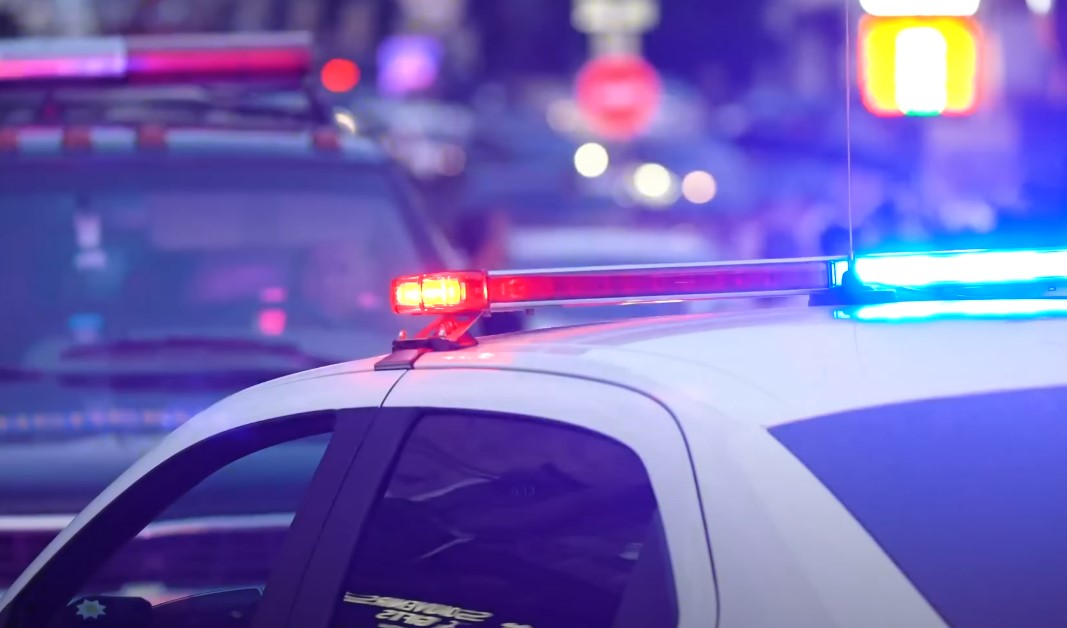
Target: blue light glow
column 960, row 268
column 928, row 310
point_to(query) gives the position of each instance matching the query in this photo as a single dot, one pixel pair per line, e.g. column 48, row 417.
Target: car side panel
column 629, row 417
column 787, row 552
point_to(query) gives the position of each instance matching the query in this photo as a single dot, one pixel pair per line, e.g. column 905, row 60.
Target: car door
column 215, row 526
column 514, row 499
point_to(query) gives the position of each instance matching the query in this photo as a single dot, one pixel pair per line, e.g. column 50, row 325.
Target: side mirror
column 220, row 609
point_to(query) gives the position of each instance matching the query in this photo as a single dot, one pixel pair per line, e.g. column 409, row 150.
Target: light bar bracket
column 848, row 290
column 447, row 332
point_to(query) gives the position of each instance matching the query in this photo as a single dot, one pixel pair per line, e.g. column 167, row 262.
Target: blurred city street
column 198, row 197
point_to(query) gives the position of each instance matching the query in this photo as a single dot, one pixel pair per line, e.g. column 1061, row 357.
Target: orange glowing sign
column 919, row 66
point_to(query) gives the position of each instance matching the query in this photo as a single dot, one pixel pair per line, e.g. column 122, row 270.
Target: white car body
column 755, row 538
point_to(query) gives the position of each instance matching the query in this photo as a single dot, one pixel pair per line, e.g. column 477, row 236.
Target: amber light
column 440, row 293
column 920, row 66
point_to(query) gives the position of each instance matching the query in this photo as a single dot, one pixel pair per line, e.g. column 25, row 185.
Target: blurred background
column 733, row 135
column 141, row 285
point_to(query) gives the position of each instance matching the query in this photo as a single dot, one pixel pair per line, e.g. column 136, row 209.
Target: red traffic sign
column 618, row 95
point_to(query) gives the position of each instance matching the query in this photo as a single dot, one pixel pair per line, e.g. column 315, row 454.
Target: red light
column 476, row 291
column 340, row 75
column 440, row 293
column 619, row 95
column 77, row 138
column 272, row 322
column 159, row 57
column 326, row 139
column 624, row 286
column 9, row 139
column 210, row 62
column 152, row 136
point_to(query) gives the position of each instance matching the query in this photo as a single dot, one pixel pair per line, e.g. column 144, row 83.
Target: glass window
column 503, row 521
column 221, row 537
column 966, row 495
column 294, row 253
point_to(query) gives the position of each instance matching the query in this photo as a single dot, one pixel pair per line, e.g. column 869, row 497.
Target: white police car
column 893, row 457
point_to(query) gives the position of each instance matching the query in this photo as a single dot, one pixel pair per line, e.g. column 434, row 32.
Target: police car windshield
column 95, row 252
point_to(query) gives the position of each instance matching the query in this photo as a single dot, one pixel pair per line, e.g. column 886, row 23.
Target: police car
column 181, row 217
column 892, row 455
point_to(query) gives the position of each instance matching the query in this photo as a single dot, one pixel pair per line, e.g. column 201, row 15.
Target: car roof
column 772, row 366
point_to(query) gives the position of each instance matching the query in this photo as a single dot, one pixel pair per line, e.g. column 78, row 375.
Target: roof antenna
column 848, row 131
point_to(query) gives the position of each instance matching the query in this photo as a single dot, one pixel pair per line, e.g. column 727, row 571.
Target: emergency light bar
column 472, row 292
column 156, row 57
column 475, row 291
column 896, row 281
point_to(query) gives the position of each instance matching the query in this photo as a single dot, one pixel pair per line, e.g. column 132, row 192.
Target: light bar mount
column 852, row 292
column 447, row 332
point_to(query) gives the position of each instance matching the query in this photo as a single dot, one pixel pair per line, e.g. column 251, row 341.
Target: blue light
column 930, row 310
column 973, row 268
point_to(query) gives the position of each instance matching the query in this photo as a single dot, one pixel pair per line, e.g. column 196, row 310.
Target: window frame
column 113, row 526
column 595, row 409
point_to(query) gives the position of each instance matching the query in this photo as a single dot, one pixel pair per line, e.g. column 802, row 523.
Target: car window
column 273, row 252
column 211, row 520
column 502, row 521
column 224, row 533
column 966, row 495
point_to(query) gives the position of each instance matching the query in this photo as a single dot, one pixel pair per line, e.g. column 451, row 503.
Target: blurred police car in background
column 180, row 217
column 890, row 456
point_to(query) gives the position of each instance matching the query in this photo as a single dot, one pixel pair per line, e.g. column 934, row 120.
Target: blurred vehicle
column 428, row 138
column 647, row 473
column 532, row 248
column 179, row 220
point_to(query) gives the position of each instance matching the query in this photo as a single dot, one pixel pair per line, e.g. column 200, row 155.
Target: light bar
column 962, row 268
column 441, row 293
column 156, row 57
column 934, row 310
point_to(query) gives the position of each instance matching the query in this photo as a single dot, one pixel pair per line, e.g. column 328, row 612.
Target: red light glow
column 9, row 139
column 272, row 322
column 619, row 95
column 152, row 136
column 340, row 75
column 439, row 293
column 164, row 63
column 653, row 284
column 477, row 292
column 77, row 138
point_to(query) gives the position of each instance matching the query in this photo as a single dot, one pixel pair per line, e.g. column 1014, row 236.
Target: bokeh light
column 699, row 187
column 652, row 180
column 591, row 160
column 1040, row 7
column 346, row 120
column 340, row 75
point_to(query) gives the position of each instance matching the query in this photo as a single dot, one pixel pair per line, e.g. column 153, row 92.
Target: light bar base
column 445, row 333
